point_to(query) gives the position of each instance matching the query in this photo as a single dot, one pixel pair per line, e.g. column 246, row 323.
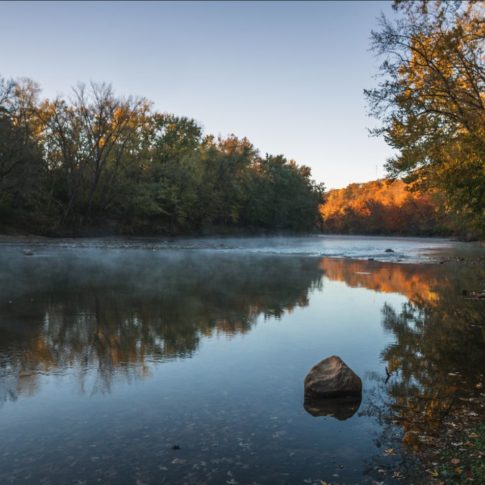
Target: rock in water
column 389, row 250
column 332, row 378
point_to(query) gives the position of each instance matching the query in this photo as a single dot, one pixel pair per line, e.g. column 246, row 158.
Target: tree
column 23, row 195
column 431, row 99
column 89, row 141
column 283, row 196
column 227, row 165
column 174, row 169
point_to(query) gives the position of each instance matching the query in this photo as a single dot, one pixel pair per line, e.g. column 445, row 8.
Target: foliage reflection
column 435, row 362
column 115, row 315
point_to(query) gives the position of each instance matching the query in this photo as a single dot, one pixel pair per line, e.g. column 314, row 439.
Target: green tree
column 23, row 191
column 175, row 171
column 89, row 141
column 283, row 196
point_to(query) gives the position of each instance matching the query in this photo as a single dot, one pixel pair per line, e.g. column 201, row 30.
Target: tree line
column 99, row 161
column 386, row 207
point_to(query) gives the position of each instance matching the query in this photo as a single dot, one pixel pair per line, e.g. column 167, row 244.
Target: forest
column 386, row 207
column 99, row 163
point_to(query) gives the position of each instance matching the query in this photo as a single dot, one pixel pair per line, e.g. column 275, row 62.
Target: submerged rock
column 332, row 378
column 339, row 408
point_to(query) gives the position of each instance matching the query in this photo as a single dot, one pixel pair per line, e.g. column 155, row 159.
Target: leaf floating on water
column 178, row 461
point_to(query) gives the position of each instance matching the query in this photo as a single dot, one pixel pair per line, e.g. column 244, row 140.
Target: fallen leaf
column 455, row 461
column 178, row 461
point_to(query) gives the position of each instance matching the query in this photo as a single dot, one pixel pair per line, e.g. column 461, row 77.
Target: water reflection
column 437, row 355
column 103, row 317
column 414, row 281
column 115, row 315
column 340, row 409
column 436, row 361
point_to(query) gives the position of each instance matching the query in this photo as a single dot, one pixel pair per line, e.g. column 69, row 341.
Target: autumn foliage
column 99, row 163
column 430, row 99
column 382, row 207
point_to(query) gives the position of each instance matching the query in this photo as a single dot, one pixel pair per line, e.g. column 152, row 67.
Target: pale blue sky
column 288, row 75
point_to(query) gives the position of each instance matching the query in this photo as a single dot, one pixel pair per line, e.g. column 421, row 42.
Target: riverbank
column 457, row 454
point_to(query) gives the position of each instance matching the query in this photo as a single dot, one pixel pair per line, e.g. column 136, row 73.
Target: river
column 182, row 361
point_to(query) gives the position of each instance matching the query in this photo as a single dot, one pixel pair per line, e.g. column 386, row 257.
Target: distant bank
column 383, row 207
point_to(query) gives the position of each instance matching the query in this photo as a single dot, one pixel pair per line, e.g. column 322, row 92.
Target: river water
column 183, row 361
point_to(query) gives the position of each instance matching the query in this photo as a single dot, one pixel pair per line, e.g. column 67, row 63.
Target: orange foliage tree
column 382, row 207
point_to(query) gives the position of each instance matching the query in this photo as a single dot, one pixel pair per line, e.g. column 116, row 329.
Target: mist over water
column 183, row 361
column 407, row 249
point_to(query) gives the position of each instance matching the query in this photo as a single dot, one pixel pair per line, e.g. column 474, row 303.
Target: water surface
column 183, row 362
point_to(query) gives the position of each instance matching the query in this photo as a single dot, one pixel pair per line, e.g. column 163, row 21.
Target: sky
column 287, row 75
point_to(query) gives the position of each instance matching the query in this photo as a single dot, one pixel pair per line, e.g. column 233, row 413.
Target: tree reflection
column 411, row 280
column 437, row 358
column 436, row 361
column 116, row 314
